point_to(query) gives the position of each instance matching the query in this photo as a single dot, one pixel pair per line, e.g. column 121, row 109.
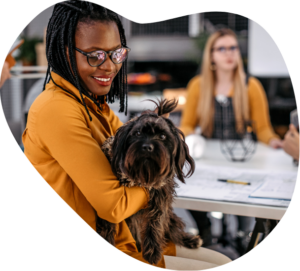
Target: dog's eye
column 162, row 136
column 138, row 133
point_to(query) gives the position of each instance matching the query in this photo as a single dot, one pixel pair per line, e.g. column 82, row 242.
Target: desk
column 265, row 158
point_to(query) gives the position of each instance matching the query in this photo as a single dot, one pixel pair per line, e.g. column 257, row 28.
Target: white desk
column 265, row 158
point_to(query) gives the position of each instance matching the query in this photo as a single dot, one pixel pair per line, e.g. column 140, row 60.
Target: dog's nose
column 148, row 147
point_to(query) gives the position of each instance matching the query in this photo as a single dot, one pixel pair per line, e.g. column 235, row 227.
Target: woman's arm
column 62, row 131
column 189, row 119
column 259, row 112
column 291, row 142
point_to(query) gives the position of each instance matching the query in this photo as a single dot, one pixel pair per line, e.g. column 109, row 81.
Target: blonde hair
column 206, row 105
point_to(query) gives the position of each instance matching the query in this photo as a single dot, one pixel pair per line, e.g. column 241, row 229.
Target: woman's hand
column 5, row 74
column 291, row 142
column 275, row 143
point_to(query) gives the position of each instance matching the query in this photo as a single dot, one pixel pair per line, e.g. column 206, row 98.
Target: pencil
column 232, row 181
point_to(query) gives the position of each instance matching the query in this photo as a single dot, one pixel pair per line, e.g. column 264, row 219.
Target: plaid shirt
column 224, row 120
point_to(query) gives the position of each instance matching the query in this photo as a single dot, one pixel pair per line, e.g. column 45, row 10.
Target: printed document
column 204, row 184
column 276, row 189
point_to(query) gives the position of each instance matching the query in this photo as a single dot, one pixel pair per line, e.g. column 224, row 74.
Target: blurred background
column 164, row 57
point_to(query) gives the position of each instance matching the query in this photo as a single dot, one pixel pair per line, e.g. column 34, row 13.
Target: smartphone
column 294, row 119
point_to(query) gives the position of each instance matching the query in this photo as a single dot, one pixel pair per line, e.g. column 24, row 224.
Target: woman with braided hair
column 69, row 121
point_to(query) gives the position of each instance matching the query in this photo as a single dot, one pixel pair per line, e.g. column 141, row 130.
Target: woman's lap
column 178, row 263
column 195, row 259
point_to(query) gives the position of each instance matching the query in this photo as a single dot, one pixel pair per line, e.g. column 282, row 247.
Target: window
column 174, row 27
column 221, row 19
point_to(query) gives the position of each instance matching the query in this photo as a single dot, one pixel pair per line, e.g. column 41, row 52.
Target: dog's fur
column 149, row 151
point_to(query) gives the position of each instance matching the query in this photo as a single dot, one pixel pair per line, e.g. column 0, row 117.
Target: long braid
column 61, row 34
column 47, row 74
column 73, row 59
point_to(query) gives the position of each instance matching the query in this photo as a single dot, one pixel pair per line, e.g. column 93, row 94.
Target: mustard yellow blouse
column 64, row 146
column 258, row 106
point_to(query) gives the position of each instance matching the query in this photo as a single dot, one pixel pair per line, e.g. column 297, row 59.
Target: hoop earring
column 213, row 67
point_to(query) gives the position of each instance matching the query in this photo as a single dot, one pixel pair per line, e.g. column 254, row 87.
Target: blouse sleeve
column 67, row 138
column 189, row 119
column 259, row 111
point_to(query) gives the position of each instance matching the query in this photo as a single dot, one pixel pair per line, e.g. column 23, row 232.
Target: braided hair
column 61, row 34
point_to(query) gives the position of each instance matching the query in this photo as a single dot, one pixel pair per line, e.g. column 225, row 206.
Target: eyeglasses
column 223, row 49
column 96, row 58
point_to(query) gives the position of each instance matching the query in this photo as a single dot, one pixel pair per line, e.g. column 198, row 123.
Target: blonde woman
column 223, row 77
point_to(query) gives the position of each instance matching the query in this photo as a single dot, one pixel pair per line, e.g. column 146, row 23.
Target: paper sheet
column 203, row 184
column 275, row 189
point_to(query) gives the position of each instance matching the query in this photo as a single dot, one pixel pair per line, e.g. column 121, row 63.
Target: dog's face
column 149, row 150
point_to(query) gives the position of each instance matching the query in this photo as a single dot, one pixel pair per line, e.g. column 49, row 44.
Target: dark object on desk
column 237, row 146
column 241, row 148
column 238, row 139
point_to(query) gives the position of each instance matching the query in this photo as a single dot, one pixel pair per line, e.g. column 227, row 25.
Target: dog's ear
column 182, row 156
column 119, row 145
column 163, row 106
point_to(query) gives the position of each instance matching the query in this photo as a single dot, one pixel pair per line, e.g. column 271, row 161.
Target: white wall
column 265, row 59
column 38, row 25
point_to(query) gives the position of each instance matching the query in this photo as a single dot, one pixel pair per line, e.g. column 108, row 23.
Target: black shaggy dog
column 149, row 151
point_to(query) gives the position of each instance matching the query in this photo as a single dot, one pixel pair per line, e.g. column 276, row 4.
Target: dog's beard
column 147, row 169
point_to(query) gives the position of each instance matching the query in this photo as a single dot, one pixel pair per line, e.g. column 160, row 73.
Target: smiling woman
column 86, row 32
column 70, row 120
column 98, row 36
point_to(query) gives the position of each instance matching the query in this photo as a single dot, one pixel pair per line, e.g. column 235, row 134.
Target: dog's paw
column 192, row 241
column 153, row 255
column 126, row 183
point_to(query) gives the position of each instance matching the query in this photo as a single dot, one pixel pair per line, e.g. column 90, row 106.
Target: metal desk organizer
column 237, row 146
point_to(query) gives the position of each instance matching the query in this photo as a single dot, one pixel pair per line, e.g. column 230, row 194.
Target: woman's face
column 92, row 37
column 225, row 54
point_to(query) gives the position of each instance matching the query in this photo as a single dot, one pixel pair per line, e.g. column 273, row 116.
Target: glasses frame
column 231, row 49
column 106, row 53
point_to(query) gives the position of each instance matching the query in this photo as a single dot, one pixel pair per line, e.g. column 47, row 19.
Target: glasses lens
column 120, row 55
column 96, row 58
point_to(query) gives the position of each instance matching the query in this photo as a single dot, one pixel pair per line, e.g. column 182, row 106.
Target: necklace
column 222, row 99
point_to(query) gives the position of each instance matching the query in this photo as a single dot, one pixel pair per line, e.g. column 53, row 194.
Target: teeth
column 102, row 79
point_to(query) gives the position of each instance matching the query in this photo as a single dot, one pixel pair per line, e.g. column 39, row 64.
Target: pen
column 232, row 181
